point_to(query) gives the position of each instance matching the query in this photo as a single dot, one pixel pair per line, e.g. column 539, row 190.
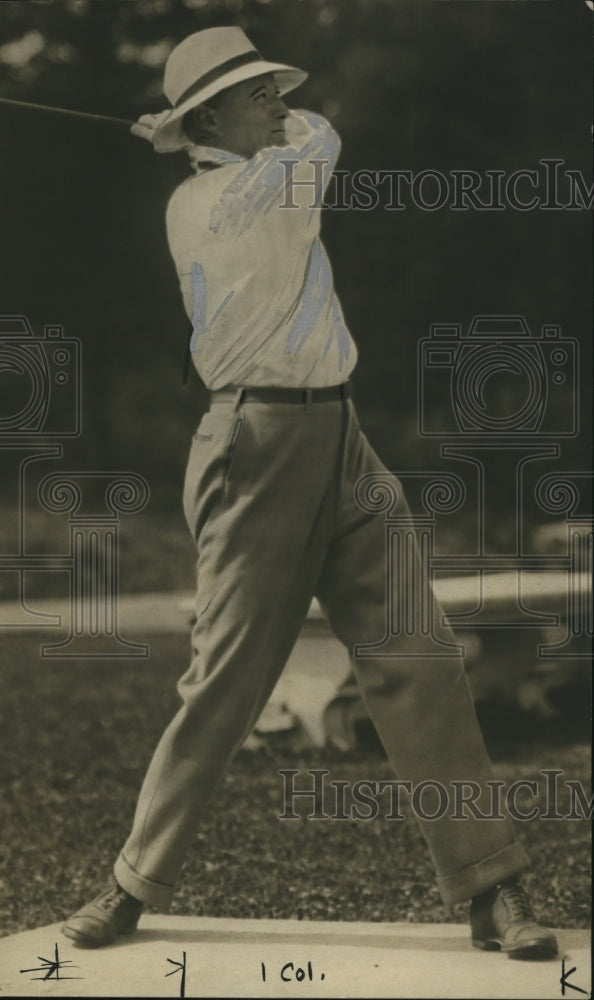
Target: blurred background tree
column 409, row 84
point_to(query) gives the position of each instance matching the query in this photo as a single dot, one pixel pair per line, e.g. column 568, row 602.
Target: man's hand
column 145, row 127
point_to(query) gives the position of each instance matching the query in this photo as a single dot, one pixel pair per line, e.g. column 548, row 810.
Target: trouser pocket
column 209, row 464
column 232, row 445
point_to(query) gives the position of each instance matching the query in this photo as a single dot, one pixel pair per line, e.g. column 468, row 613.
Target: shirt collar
column 205, row 157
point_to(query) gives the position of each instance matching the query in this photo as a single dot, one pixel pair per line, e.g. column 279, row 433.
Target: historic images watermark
column 41, row 407
column 551, row 186
column 456, row 366
column 48, row 405
column 500, row 399
column 369, row 799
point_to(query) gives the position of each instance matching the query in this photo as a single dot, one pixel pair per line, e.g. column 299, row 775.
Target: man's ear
column 201, row 125
column 205, row 118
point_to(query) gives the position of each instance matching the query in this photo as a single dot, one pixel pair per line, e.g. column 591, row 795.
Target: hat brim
column 169, row 136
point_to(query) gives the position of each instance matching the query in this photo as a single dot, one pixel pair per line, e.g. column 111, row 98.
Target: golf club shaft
column 66, row 111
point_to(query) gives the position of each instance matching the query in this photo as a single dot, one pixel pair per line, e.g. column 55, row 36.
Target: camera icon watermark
column 498, row 398
column 497, row 380
column 41, row 376
column 40, row 407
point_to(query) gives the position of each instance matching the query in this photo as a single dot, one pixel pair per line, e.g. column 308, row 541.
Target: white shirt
column 254, row 274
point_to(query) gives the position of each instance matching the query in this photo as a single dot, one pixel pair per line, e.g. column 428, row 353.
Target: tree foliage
column 410, row 84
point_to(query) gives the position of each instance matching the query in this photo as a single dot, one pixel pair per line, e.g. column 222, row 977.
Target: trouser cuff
column 142, row 888
column 482, row 875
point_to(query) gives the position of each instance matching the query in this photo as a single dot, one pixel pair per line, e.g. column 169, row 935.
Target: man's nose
column 279, row 108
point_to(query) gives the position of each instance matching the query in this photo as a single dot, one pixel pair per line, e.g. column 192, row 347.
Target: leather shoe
column 501, row 919
column 114, row 911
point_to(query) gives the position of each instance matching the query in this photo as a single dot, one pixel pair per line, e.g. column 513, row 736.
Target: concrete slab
column 286, row 958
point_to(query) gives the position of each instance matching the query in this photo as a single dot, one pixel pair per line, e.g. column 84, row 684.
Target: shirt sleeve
column 288, row 177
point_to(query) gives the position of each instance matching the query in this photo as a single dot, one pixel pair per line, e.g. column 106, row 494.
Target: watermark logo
column 41, row 381
column 497, row 379
column 40, row 407
column 93, row 559
column 550, row 186
column 459, row 800
column 499, row 398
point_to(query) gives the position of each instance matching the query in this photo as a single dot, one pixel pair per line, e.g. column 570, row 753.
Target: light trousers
column 270, row 498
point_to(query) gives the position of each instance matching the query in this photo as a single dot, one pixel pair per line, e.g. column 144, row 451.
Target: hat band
column 218, row 71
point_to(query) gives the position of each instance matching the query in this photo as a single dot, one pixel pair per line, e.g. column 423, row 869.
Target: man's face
column 250, row 116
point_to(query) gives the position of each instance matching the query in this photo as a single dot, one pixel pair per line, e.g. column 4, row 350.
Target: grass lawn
column 76, row 739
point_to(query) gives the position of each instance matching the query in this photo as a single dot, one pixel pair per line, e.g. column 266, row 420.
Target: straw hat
column 204, row 64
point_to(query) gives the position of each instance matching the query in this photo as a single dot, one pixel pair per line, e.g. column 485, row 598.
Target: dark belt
column 270, row 395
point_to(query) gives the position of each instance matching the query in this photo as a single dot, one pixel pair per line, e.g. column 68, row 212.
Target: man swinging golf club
column 269, row 498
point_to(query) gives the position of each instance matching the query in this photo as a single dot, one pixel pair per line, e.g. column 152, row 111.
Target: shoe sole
column 82, row 941
column 536, row 950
